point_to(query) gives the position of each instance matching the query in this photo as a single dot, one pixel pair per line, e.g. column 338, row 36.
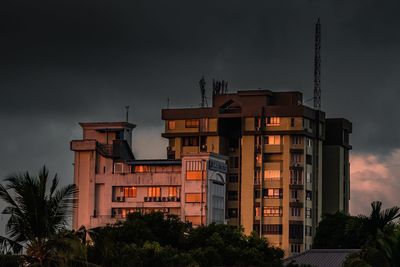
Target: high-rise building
column 336, row 166
column 112, row 183
column 275, row 147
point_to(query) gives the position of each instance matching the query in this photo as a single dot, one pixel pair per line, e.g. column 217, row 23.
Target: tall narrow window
column 171, row 125
column 154, row 192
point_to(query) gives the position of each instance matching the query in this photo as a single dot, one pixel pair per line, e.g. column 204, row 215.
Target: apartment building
column 274, row 144
column 112, row 183
column 336, row 166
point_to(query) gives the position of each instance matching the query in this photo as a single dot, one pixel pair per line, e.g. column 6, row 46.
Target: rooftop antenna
column 317, row 66
column 127, row 113
column 202, row 84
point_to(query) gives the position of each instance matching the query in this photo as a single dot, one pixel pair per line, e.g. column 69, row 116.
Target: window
column 308, row 195
column 308, row 177
column 232, row 195
column 273, row 121
column 296, row 158
column 309, row 159
column 308, row 213
column 272, row 174
column 193, row 197
column 272, row 211
column 308, row 230
column 233, row 178
column 295, row 211
column 296, row 140
column 292, row 122
column 274, row 193
column 272, row 229
column 194, row 220
column 232, row 213
column 142, row 168
column 194, row 170
column 294, row 194
column 173, row 191
column 309, row 142
column 295, row 248
column 154, row 192
column 273, row 139
column 295, row 231
column 171, row 125
column 233, row 162
column 130, row 191
column 296, row 177
column 192, row 123
column 257, row 211
column 257, row 193
column 190, row 141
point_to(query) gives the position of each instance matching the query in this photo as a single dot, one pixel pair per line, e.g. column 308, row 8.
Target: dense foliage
column 150, row 240
column 377, row 236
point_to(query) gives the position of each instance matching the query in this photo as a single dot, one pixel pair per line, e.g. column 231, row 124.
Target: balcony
column 162, row 199
column 273, row 148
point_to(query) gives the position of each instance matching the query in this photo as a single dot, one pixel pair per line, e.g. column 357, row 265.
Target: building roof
column 155, row 162
column 321, row 257
column 107, row 126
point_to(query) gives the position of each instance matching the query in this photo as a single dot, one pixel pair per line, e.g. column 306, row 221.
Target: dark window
column 232, row 195
column 232, row 213
column 233, row 178
column 292, row 122
column 234, row 162
column 272, row 229
column 257, row 193
column 296, row 231
column 308, row 230
column 309, row 159
column 308, row 195
column 190, row 141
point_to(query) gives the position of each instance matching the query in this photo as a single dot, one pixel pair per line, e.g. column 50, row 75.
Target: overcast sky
column 64, row 62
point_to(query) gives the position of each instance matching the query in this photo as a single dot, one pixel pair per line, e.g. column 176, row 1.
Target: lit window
column 154, row 192
column 194, row 170
column 193, row 197
column 173, row 191
column 272, row 211
column 142, row 168
column 130, row 191
column 192, row 123
column 273, row 121
column 273, row 140
column 274, row 193
column 257, row 211
column 272, row 174
column 171, row 125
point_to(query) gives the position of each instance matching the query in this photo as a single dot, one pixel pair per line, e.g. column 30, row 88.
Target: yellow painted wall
column 247, row 185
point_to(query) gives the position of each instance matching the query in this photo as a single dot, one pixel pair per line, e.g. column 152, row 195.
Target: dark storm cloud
column 62, row 62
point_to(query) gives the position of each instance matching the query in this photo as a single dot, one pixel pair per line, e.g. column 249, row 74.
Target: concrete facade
column 275, row 148
column 112, row 183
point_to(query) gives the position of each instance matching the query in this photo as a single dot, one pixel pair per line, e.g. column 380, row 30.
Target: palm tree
column 367, row 228
column 37, row 214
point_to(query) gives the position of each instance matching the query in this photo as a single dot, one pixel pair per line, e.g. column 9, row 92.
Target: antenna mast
column 317, row 67
column 127, row 113
column 202, row 84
